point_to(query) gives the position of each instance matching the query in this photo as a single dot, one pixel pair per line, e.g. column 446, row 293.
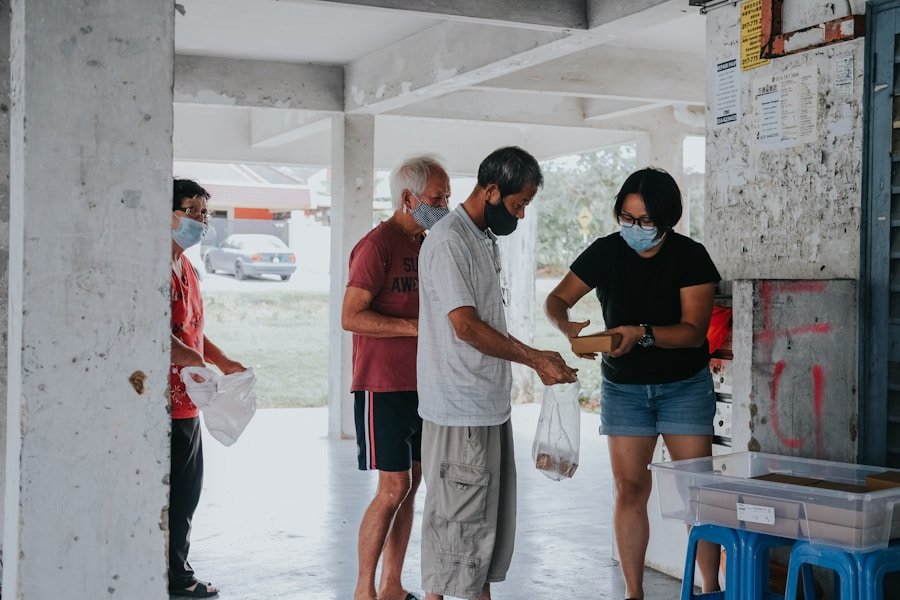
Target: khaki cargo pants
column 469, row 519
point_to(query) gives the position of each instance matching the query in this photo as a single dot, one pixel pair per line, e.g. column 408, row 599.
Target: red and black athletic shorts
column 388, row 430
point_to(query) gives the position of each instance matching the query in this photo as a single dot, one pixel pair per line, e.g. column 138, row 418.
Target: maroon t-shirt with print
column 386, row 263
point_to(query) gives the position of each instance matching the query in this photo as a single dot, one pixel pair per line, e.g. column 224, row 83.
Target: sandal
column 201, row 589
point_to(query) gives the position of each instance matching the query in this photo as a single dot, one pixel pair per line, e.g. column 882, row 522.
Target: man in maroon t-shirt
column 381, row 309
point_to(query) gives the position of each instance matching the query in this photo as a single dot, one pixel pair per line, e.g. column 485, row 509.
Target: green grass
column 284, row 337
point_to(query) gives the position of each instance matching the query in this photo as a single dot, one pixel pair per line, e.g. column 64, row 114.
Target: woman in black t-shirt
column 656, row 289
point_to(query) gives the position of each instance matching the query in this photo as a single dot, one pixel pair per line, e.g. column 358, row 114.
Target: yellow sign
column 584, row 219
column 751, row 28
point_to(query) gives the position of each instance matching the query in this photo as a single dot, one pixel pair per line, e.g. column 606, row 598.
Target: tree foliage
column 587, row 181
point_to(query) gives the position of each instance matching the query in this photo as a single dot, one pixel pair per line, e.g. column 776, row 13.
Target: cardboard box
column 840, row 534
column 842, row 487
column 595, row 342
column 709, row 513
column 883, row 481
column 784, row 478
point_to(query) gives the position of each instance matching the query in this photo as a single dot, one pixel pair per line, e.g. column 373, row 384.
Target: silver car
column 251, row 254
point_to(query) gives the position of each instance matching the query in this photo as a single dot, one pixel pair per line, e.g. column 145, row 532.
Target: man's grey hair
column 412, row 174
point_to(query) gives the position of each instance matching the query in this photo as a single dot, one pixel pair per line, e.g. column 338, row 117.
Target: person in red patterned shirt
column 190, row 348
column 381, row 309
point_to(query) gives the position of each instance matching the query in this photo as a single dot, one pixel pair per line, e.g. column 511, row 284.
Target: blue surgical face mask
column 640, row 240
column 189, row 232
column 426, row 216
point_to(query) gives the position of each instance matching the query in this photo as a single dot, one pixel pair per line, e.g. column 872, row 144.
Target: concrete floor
column 280, row 509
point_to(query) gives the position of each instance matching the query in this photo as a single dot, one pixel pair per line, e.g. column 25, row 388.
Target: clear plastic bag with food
column 558, row 437
column 227, row 402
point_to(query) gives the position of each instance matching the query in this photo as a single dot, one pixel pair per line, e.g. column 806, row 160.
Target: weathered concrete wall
column 90, row 180
column 4, row 234
column 795, row 368
column 791, row 213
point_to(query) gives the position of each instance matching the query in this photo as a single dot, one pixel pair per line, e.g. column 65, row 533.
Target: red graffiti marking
column 768, row 335
column 773, row 409
column 818, row 398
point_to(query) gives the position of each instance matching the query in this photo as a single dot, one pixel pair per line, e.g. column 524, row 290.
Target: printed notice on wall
column 751, row 31
column 842, row 74
column 727, row 93
column 786, row 108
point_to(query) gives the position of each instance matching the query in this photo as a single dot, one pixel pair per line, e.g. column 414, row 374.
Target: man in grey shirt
column 464, row 379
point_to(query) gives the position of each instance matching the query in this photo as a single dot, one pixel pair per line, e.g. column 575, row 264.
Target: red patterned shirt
column 187, row 326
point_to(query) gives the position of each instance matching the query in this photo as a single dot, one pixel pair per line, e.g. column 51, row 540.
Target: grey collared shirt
column 459, row 265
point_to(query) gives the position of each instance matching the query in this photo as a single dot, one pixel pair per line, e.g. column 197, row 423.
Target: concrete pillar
column 663, row 147
column 4, row 235
column 352, row 190
column 519, row 263
column 87, row 456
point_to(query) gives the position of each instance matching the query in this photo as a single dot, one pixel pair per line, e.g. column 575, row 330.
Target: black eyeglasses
column 644, row 223
column 194, row 213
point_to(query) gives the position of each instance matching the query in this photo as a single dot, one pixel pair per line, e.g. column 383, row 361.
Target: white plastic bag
column 228, row 402
column 558, row 437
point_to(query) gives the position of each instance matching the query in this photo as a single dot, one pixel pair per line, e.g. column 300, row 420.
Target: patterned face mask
column 426, row 216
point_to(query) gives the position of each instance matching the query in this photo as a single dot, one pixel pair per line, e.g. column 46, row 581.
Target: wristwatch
column 647, row 339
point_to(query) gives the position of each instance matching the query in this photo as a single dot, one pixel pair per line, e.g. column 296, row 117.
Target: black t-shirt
column 634, row 290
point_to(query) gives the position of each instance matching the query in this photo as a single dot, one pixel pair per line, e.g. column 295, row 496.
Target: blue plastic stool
column 875, row 566
column 846, row 565
column 728, row 539
column 754, row 558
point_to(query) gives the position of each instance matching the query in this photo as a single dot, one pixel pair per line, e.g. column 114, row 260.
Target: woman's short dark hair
column 660, row 194
column 511, row 169
column 186, row 188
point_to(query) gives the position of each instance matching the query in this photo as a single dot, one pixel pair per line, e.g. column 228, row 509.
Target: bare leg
column 390, row 587
column 683, row 447
column 630, row 456
column 485, row 594
column 393, row 488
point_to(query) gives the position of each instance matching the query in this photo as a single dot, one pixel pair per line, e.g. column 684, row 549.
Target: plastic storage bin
column 820, row 501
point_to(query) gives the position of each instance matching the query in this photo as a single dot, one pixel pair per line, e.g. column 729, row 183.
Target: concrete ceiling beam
column 558, row 15
column 615, row 73
column 220, row 134
column 455, row 55
column 231, row 82
column 597, row 109
column 499, row 107
column 651, row 121
column 634, row 15
column 555, row 142
column 272, row 127
column 446, row 58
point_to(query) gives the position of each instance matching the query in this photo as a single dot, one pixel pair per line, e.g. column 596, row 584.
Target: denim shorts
column 685, row 407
